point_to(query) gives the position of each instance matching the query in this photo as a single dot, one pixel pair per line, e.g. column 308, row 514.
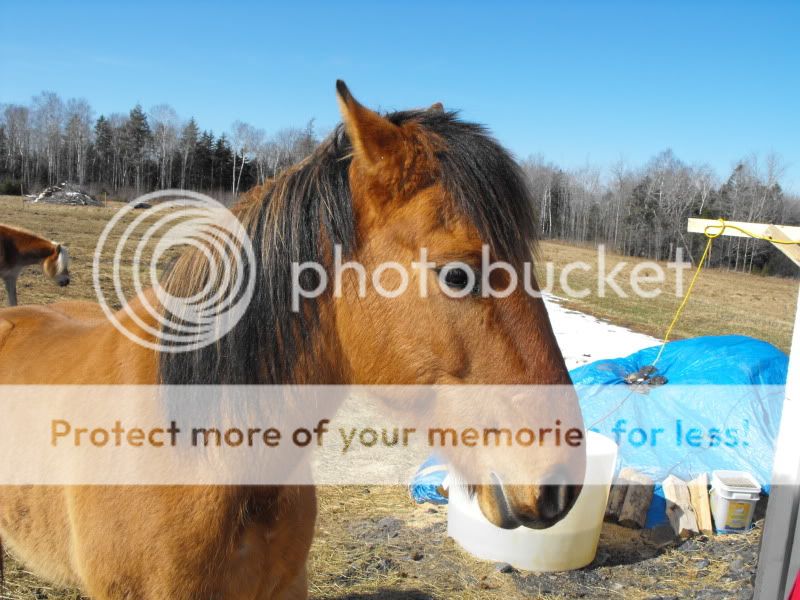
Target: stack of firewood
column 688, row 506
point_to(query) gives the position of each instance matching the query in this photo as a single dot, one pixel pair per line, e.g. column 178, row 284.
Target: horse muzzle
column 532, row 506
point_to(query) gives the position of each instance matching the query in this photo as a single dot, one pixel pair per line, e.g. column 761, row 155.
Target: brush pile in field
column 67, row 193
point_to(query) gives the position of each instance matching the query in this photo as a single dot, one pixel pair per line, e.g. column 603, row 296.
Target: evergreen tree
column 559, row 204
column 3, row 152
column 203, row 164
column 104, row 148
column 223, row 163
column 137, row 141
column 188, row 147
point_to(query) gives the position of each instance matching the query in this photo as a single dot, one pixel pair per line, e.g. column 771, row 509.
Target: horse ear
column 374, row 138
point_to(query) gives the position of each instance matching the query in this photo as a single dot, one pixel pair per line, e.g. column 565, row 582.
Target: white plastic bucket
column 734, row 495
column 569, row 544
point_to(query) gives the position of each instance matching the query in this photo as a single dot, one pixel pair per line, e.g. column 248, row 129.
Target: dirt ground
column 374, row 542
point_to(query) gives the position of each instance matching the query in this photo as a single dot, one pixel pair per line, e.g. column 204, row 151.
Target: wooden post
column 779, row 556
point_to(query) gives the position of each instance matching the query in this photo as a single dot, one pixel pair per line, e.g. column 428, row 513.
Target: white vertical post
column 779, row 558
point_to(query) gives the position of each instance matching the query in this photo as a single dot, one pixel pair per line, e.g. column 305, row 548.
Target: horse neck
column 320, row 361
column 30, row 248
column 323, row 361
column 138, row 306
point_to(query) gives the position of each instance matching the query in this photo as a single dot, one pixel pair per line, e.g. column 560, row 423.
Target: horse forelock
column 308, row 209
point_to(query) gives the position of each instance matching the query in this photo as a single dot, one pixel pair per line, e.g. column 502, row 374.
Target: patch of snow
column 584, row 338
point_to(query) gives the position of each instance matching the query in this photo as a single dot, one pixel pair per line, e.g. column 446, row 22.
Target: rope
column 723, row 225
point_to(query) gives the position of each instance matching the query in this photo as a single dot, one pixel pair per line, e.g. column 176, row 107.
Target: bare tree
column 245, row 141
column 78, row 137
column 48, row 117
column 18, row 132
column 164, row 122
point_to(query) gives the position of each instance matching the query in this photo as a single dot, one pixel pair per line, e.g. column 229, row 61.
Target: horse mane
column 309, row 208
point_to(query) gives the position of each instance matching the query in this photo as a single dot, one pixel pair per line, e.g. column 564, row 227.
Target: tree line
column 636, row 211
column 50, row 141
column 642, row 211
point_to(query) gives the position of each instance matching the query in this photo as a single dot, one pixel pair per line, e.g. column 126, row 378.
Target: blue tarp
column 427, row 483
column 720, row 409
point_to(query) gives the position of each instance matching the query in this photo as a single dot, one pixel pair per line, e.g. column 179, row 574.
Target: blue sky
column 579, row 82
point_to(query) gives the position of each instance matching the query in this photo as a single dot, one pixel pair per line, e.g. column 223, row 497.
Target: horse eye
column 459, row 279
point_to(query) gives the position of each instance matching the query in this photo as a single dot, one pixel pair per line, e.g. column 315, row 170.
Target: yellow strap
column 723, row 225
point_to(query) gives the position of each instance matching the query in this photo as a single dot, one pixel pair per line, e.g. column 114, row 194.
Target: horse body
column 381, row 187
column 177, row 542
column 20, row 248
column 171, row 542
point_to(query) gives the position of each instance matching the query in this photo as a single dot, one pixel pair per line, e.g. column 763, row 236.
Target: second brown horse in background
column 20, row 248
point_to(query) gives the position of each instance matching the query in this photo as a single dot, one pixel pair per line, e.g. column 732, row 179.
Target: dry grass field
column 722, row 302
column 374, row 542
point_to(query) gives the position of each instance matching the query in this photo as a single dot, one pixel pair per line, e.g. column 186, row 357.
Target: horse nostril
column 556, row 500
column 556, row 496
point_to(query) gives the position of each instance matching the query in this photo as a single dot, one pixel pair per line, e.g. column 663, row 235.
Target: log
column 637, row 500
column 616, row 497
column 698, row 491
column 679, row 507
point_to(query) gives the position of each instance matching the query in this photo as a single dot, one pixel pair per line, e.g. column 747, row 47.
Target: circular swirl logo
column 212, row 283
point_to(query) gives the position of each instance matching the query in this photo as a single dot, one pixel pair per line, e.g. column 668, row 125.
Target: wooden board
column 699, row 226
column 679, row 507
column 792, row 251
column 637, row 500
column 698, row 491
column 616, row 497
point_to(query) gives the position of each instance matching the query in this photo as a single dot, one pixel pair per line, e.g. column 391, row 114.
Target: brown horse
column 381, row 186
column 20, row 248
